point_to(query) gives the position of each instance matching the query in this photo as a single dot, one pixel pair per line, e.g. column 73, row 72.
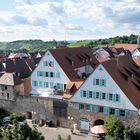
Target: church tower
column 138, row 41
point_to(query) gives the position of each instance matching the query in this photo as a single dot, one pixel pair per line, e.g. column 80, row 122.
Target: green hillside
column 39, row 45
column 132, row 39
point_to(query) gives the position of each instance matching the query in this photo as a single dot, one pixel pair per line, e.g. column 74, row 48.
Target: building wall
column 63, row 79
column 7, row 92
column 110, row 87
column 19, row 89
column 27, row 85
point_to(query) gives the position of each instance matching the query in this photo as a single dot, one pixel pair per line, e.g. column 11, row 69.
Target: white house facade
column 101, row 93
column 47, row 76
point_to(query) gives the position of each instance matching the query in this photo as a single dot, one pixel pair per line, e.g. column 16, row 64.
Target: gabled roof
column 72, row 58
column 9, row 79
column 130, row 47
column 126, row 74
column 22, row 66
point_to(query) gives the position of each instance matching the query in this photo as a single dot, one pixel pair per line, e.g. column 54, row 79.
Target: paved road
column 51, row 133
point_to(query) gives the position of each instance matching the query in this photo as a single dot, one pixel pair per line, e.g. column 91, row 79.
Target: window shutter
column 91, row 108
column 58, row 75
column 107, row 97
column 117, row 112
column 118, row 98
column 51, row 84
column 105, row 82
column 126, row 113
column 100, row 95
column 52, row 63
column 94, row 94
column 100, row 82
column 106, row 110
column 61, row 86
column 94, row 81
column 81, row 93
column 96, row 109
column 114, row 97
column 77, row 106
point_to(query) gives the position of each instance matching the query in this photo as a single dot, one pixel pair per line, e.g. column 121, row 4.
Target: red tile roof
column 126, row 74
column 66, row 56
column 137, row 61
column 130, row 47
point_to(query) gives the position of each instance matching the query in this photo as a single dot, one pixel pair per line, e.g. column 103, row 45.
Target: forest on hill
column 39, row 45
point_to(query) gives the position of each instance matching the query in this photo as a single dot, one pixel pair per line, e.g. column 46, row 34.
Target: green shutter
column 96, row 109
column 106, row 110
column 81, row 93
column 100, row 95
column 118, row 98
column 91, row 108
column 40, row 83
column 107, row 97
column 117, row 112
column 126, row 113
column 52, row 63
column 105, row 82
column 100, row 81
column 94, row 81
column 114, row 97
column 61, row 86
column 94, row 94
column 58, row 75
column 51, row 85
column 54, row 74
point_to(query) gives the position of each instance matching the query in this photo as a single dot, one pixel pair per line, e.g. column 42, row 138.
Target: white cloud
column 54, row 19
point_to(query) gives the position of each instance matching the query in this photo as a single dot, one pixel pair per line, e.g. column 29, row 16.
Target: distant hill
column 29, row 45
column 39, row 45
column 132, row 39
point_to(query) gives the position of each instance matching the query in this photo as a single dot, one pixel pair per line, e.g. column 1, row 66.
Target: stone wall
column 42, row 108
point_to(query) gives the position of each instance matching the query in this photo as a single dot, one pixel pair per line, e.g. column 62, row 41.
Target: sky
column 68, row 19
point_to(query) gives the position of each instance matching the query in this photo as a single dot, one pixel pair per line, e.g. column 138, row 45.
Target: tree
column 114, row 128
column 20, row 131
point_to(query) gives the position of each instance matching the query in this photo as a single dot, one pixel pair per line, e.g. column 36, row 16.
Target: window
column 81, row 106
column 40, row 83
column 5, row 87
column 112, row 111
column 48, row 63
column 103, row 95
column 117, row 98
column 35, row 83
column 84, row 93
column 2, row 94
column 7, row 95
column 46, row 84
column 87, row 107
column 90, row 94
column 97, row 95
column 46, row 74
column 51, row 74
column 101, row 109
column 102, row 82
column 97, row 82
column 122, row 112
column 39, row 73
column 110, row 97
